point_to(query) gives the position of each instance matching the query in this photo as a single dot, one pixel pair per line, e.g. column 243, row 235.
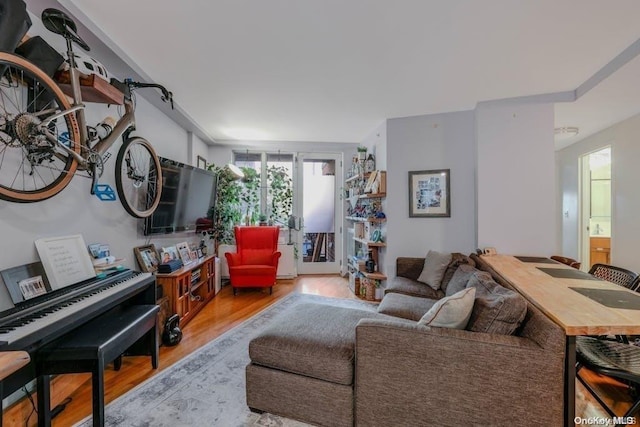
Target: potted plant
column 262, row 219
column 362, row 153
column 228, row 209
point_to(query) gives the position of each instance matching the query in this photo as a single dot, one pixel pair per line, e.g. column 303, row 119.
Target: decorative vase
column 370, row 290
column 370, row 264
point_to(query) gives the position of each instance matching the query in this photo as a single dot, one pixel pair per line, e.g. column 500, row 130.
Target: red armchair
column 256, row 261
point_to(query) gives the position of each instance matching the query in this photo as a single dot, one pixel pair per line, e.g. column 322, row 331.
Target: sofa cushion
column 460, row 279
column 435, row 264
column 314, row 340
column 457, row 259
column 497, row 310
column 403, row 285
column 451, row 312
column 405, row 306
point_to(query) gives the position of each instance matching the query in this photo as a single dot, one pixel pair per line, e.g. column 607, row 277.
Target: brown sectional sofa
column 334, row 366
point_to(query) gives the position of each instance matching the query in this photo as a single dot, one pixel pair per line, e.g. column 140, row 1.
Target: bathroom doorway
column 596, row 207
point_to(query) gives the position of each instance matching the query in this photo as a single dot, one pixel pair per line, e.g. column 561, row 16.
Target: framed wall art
column 201, row 162
column 429, row 194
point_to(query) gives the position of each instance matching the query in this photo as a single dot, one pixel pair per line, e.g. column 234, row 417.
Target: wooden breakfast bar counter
column 559, row 292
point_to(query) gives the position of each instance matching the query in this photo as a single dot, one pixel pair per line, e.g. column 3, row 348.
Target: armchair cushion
column 258, row 256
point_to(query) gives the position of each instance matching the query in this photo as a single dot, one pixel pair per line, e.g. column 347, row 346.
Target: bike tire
column 30, row 169
column 138, row 177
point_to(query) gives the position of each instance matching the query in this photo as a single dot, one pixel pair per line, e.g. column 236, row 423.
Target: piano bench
column 90, row 347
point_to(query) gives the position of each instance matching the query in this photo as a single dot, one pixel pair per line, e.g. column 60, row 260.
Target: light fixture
column 566, row 132
column 234, row 171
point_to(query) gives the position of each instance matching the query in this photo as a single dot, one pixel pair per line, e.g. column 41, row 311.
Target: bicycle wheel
column 138, row 177
column 33, row 167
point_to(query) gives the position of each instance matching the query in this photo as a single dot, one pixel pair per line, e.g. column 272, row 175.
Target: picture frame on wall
column 429, row 194
column 201, row 162
column 147, row 258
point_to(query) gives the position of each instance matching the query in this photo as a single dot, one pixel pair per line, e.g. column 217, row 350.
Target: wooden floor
column 223, row 313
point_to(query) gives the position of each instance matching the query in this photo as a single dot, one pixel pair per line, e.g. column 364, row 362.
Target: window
column 273, row 196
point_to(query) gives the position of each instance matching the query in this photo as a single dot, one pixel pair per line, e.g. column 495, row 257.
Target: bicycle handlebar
column 166, row 95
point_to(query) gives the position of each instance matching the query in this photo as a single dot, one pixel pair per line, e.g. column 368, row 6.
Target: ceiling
column 333, row 70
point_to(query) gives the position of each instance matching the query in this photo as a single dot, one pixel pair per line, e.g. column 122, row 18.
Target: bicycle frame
column 126, row 123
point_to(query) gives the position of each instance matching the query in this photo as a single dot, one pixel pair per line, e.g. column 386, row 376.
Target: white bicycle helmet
column 87, row 65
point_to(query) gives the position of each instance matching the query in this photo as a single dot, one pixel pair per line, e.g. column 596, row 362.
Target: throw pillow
column 460, row 279
column 434, row 267
column 497, row 310
column 457, row 259
column 451, row 312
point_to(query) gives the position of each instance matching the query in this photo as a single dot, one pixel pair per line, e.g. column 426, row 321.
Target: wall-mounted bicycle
column 44, row 139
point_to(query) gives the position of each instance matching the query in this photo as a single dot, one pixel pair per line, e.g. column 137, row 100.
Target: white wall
column 440, row 141
column 516, row 177
column 198, row 148
column 376, row 143
column 625, row 176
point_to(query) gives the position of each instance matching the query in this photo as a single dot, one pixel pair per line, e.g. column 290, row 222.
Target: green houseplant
column 228, row 209
column 250, row 195
column 362, row 152
column 280, row 194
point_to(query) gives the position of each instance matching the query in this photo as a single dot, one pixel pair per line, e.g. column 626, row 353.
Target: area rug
column 207, row 388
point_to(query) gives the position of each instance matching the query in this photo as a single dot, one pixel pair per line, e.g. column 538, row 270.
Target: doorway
column 320, row 242
column 596, row 226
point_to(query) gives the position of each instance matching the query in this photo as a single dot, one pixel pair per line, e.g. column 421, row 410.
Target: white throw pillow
column 435, row 264
column 451, row 312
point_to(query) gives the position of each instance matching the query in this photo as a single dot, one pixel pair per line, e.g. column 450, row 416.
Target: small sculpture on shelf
column 370, row 164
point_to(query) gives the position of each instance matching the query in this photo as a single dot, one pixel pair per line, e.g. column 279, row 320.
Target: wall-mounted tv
column 187, row 195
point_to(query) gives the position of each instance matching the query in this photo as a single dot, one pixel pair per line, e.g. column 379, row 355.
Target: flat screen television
column 187, row 195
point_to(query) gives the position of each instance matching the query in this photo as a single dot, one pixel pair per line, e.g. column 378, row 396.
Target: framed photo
column 201, row 162
column 169, row 253
column 429, row 194
column 147, row 258
column 184, row 252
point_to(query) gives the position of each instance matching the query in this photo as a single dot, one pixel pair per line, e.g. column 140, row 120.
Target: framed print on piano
column 65, row 259
column 147, row 258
